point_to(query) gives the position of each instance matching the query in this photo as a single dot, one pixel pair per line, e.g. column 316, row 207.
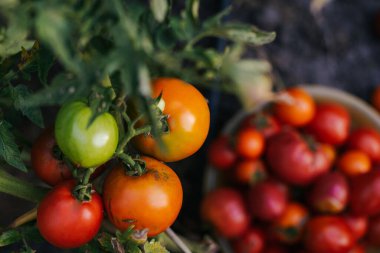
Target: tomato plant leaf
column 159, row 9
column 154, row 247
column 9, row 237
column 45, row 60
column 9, row 151
column 192, row 9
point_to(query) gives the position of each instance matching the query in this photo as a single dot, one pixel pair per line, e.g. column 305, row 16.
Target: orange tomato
column 354, row 162
column 329, row 151
column 249, row 143
column 250, row 171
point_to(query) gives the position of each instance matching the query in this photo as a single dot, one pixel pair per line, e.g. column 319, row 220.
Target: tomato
column 375, row 99
column 188, row 120
column 289, row 226
column 85, row 146
column 298, row 110
column 329, row 193
column 251, row 241
column 265, row 123
column 48, row 168
column 295, row 161
column 328, row 234
column 354, row 162
column 329, row 151
column 374, row 231
column 267, row 200
column 358, row 249
column 331, row 124
column 224, row 209
column 357, row 224
column 249, row 143
column 250, row 171
column 151, row 201
column 366, row 140
column 220, row 154
column 365, row 194
column 64, row 221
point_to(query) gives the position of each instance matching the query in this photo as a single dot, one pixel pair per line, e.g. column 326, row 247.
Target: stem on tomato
column 83, row 190
column 135, row 167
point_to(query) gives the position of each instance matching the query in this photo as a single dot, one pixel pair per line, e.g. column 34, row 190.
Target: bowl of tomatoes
column 300, row 174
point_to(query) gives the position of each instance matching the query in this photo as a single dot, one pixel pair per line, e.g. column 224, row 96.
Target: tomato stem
column 83, row 190
column 135, row 167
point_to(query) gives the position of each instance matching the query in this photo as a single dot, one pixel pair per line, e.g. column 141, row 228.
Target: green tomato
column 85, row 146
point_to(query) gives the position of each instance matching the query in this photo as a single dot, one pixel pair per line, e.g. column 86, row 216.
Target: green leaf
column 29, row 233
column 19, row 94
column 192, row 8
column 12, row 40
column 159, row 9
column 9, row 151
column 9, row 237
column 45, row 60
column 154, row 247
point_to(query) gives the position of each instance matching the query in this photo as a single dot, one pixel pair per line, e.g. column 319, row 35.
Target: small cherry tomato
column 298, row 110
column 220, row 154
column 64, row 221
column 357, row 224
column 366, row 140
column 249, row 143
column 330, row 124
column 45, row 164
column 354, row 162
column 151, row 201
column 251, row 241
column 224, row 208
column 265, row 123
column 250, row 171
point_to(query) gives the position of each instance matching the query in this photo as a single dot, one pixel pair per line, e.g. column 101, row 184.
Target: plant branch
column 177, row 240
column 24, row 218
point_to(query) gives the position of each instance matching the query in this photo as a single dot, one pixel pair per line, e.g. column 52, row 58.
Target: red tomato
column 249, row 143
column 331, row 124
column 354, row 162
column 293, row 160
column 188, row 120
column 265, row 123
column 357, row 224
column 48, row 168
column 373, row 233
column 220, row 154
column 298, row 111
column 328, row 234
column 267, row 200
column 365, row 194
column 329, row 193
column 224, row 209
column 358, row 249
column 250, row 171
column 366, row 140
column 66, row 222
column 151, row 201
column 251, row 241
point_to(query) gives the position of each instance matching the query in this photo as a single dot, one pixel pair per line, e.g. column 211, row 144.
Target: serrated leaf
column 9, row 237
column 159, row 9
column 154, row 247
column 9, row 151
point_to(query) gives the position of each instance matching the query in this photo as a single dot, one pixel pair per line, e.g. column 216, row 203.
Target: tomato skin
column 251, row 241
column 48, row 168
column 328, row 234
column 358, row 249
column 85, row 146
column 292, row 160
column 330, row 124
column 373, row 233
column 249, row 143
column 151, row 201
column 224, row 208
column 357, row 224
column 365, row 194
column 220, row 154
column 189, row 121
column 354, row 162
column 366, row 140
column 250, row 171
column 297, row 112
column 64, row 221
column 265, row 123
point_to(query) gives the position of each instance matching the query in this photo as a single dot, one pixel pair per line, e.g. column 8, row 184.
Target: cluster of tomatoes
column 138, row 192
column 298, row 176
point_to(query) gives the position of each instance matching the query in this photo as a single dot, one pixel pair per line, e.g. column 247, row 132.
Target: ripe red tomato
column 289, row 226
column 295, row 161
column 357, row 224
column 249, row 143
column 250, row 171
column 366, row 140
column 220, row 154
column 331, row 124
column 224, row 208
column 48, row 168
column 265, row 123
column 329, row 193
column 66, row 222
column 365, row 194
column 267, row 200
column 298, row 111
column 358, row 249
column 354, row 162
column 251, row 241
column 188, row 119
column 328, row 234
column 374, row 231
column 151, row 201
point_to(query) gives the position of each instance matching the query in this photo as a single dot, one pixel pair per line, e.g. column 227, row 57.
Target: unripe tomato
column 64, row 221
column 251, row 241
column 188, row 120
column 86, row 146
column 151, row 201
column 48, row 168
column 220, row 154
